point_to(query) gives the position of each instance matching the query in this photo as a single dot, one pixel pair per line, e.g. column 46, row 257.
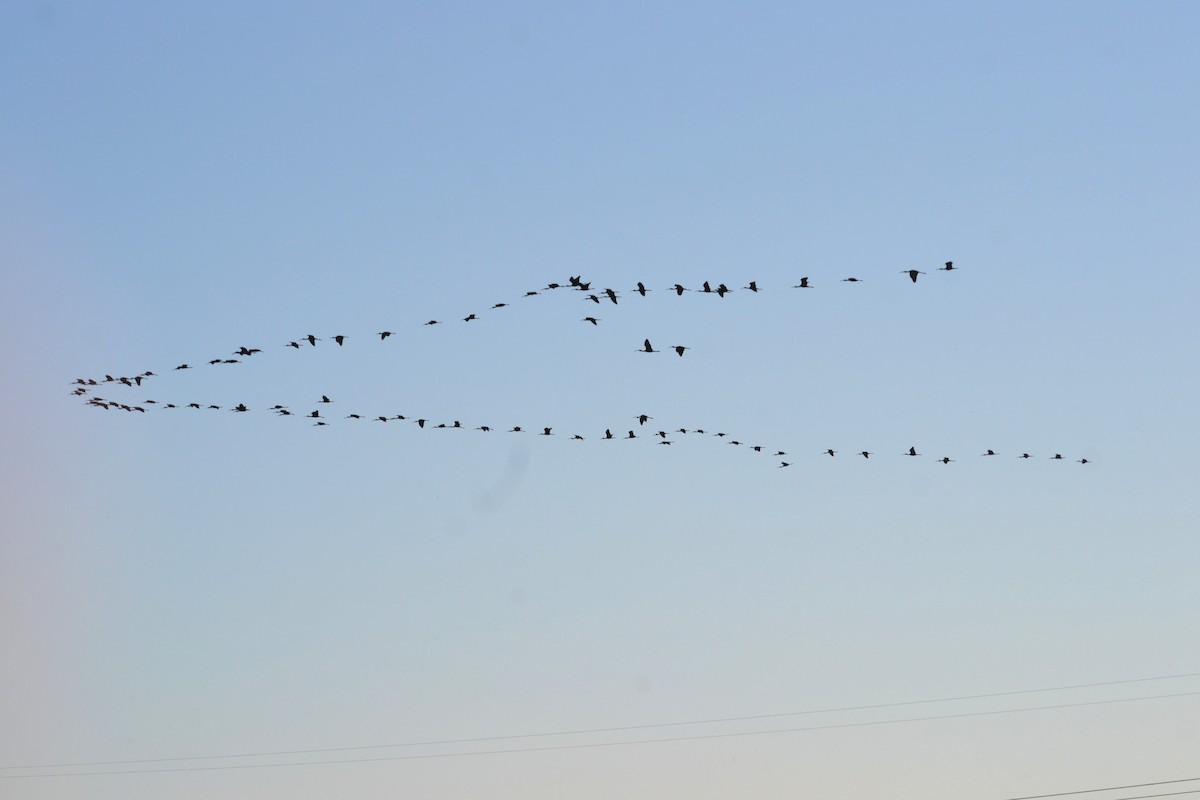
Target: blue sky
column 178, row 182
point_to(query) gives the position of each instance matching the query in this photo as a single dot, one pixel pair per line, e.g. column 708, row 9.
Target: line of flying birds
column 84, row 386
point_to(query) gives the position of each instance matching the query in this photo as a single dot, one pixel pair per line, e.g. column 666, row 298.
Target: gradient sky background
column 179, row 180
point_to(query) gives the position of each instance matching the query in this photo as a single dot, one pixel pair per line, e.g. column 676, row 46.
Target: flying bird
column 384, row 334
column 865, row 454
column 641, row 289
column 949, row 266
column 803, row 284
column 851, row 280
column 312, row 340
column 648, row 349
column 183, row 366
column 752, row 287
column 339, row 339
column 913, row 273
column 611, row 295
column 988, row 453
column 642, row 418
column 912, row 451
column 678, row 290
column 592, row 320
column 946, row 459
column 678, row 348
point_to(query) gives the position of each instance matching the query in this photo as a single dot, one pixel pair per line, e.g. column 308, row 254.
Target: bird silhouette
column 312, row 340
column 631, row 435
column 611, row 295
column 592, row 320
column 643, row 418
column 1056, row 457
column 1083, row 461
column 545, row 432
column 678, row 348
column 851, row 280
column 593, row 298
column 752, row 287
column 988, row 453
column 803, row 284
column 707, row 289
column 183, row 366
column 831, row 452
column 949, row 267
column 289, row 344
column 469, row 317
column 384, row 334
column 339, row 339
column 912, row 451
column 946, row 460
column 678, row 290
column 641, row 289
column 783, row 464
column 1024, row 455
column 240, row 407
column 516, row 429
column 608, row 434
column 647, row 348
column 865, row 454
column 432, row 322
column 913, row 273
column 500, row 305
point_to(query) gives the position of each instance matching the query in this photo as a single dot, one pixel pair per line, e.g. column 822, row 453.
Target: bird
column 631, row 435
column 851, row 280
column 707, row 289
column 516, row 429
column 647, row 348
column 678, row 348
column 593, row 298
column 1083, row 461
column 324, row 399
column 592, row 320
column 468, row 318
column 830, row 452
column 420, row 423
column 608, row 434
column 319, row 423
column 354, row 416
column 783, row 464
column 315, row 414
column 678, row 290
column 339, row 339
column 432, row 322
column 611, row 295
column 988, row 453
column 289, row 344
column 183, row 366
column 665, row 441
column 312, row 340
column 780, row 453
column 384, row 334
column 231, row 361
column 865, row 454
column 532, row 294
column 945, row 459
column 913, row 273
column 1056, row 457
column 577, row 436
column 500, row 305
column 1024, row 455
column 912, row 451
column 484, row 428
column 949, row 267
column 803, row 284
column 240, row 407
column 723, row 290
column 642, row 418
column 752, row 287
column 545, row 432
column 641, row 289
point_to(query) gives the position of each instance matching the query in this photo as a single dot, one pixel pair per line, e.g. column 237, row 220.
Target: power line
column 619, row 729
column 1113, row 789
column 595, row 745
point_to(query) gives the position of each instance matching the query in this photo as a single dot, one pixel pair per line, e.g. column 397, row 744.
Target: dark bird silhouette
column 631, row 435
column 292, row 344
column 678, row 348
column 468, row 318
column 384, row 334
column 912, row 451
column 1056, row 457
column 664, row 441
column 611, row 295
column 339, row 339
column 240, row 407
column 420, row 423
column 679, row 290
column 723, row 290
column 193, row 405
column 516, row 429
column 803, row 284
column 642, row 418
column 312, row 340
column 946, row 460
column 432, row 322
column 549, row 286
column 577, row 436
column 752, row 287
column 231, row 361
column 913, row 273
column 500, row 305
column 949, row 267
column 484, row 428
column 315, row 414
column 783, row 464
column 988, row 453
column 381, row 419
column 324, row 399
column 593, row 298
column 707, row 289
column 608, row 434
column 354, row 416
column 851, row 280
column 1083, row 461
column 1024, row 455
column 583, row 286
column 319, row 423
column 865, row 454
column 647, row 348
column 215, row 361
column 641, row 289
column 534, row 294
column 246, row 351
column 545, row 432
column 574, row 280
column 592, row 320
column 183, row 366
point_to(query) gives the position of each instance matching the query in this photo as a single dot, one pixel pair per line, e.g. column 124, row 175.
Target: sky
column 178, row 181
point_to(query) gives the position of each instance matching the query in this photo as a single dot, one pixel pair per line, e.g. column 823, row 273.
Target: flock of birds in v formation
column 84, row 387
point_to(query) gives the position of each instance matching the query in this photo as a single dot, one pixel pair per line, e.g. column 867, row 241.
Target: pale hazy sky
column 181, row 180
